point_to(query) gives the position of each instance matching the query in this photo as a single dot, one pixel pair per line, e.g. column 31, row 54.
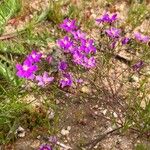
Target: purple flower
column 26, row 70
column 104, row 18
column 45, row 147
column 44, row 79
column 113, row 17
column 138, row 66
column 125, row 40
column 49, row 59
column 78, row 35
column 87, row 46
column 34, row 56
column 141, row 37
column 62, row 66
column 108, row 18
column 113, row 32
column 65, row 43
column 89, row 62
column 113, row 44
column 66, row 80
column 72, row 49
column 78, row 57
column 68, row 25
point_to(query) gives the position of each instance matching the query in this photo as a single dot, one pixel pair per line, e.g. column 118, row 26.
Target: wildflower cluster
column 76, row 45
column 117, row 36
column 115, row 33
column 29, row 68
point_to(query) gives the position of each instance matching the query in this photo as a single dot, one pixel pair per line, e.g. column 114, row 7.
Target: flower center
column 33, row 56
column 87, row 44
column 113, row 32
column 45, row 80
column 68, row 24
column 65, row 79
column 65, row 42
column 25, row 67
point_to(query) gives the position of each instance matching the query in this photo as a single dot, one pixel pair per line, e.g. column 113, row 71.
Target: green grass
column 8, row 9
column 142, row 147
column 137, row 13
column 13, row 111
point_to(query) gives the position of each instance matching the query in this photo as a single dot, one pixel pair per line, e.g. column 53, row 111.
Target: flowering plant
column 74, row 46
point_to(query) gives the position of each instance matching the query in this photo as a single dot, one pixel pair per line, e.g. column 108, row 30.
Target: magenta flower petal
column 125, row 40
column 44, row 79
column 34, row 56
column 26, row 70
column 89, row 62
column 62, row 66
column 142, row 38
column 68, row 25
column 18, row 66
column 65, row 43
column 138, row 66
column 113, row 32
column 45, row 147
column 78, row 35
column 107, row 18
column 113, row 44
column 66, row 80
column 49, row 59
column 88, row 46
column 77, row 57
column 104, row 18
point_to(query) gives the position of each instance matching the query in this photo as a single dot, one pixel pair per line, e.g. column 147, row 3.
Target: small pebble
column 115, row 115
column 20, row 132
column 69, row 128
column 85, row 89
column 104, row 111
column 64, row 132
